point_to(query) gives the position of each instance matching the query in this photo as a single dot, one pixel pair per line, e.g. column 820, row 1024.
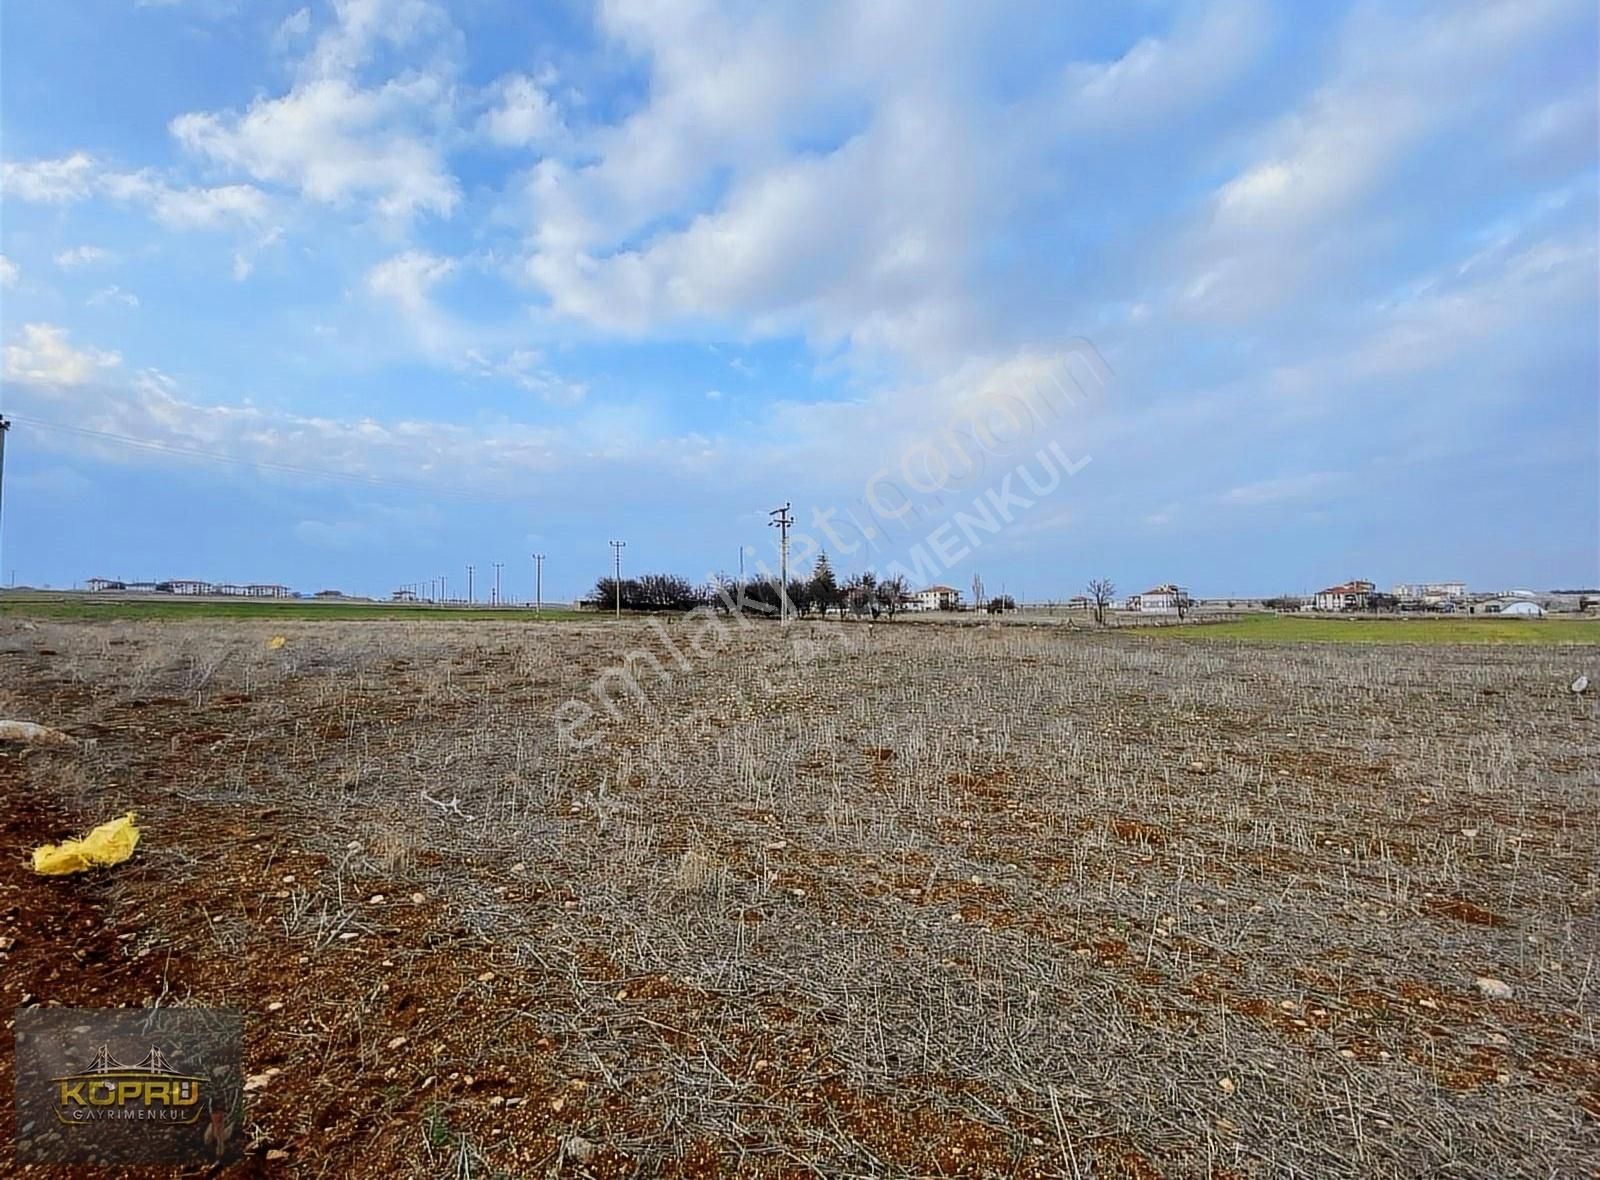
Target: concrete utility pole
column 538, row 582
column 498, row 566
column 4, row 427
column 616, row 580
column 469, row 585
column 444, row 588
column 782, row 522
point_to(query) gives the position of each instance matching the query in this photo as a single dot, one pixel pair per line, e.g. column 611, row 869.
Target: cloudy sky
column 355, row 293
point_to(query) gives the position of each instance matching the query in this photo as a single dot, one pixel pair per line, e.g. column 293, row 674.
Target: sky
column 1254, row 298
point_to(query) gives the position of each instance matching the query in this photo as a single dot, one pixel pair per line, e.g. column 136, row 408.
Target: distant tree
column 1001, row 603
column 1184, row 604
column 892, row 595
column 1383, row 602
column 977, row 592
column 1287, row 602
column 861, row 594
column 824, row 587
column 722, row 592
column 605, row 596
column 1101, row 591
column 800, row 601
column 663, row 592
column 761, row 596
column 649, row 592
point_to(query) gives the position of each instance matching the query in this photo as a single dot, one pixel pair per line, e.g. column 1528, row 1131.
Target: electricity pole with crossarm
column 616, row 581
column 782, row 523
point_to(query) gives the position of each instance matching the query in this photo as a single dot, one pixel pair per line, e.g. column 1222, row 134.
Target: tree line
column 863, row 595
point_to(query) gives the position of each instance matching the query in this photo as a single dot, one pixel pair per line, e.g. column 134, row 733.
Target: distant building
column 1160, row 600
column 187, row 586
column 272, row 590
column 1355, row 595
column 403, row 595
column 1520, row 608
column 329, row 594
column 937, row 598
column 97, row 585
column 1431, row 591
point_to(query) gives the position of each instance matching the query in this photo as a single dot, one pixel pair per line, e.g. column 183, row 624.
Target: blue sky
column 352, row 294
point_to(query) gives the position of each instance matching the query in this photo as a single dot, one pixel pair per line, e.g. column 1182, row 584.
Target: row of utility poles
column 438, row 589
column 782, row 520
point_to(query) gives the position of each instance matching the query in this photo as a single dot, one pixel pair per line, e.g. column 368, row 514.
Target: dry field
column 978, row 901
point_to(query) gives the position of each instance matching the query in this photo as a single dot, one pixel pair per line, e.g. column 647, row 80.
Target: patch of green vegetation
column 1266, row 628
column 287, row 610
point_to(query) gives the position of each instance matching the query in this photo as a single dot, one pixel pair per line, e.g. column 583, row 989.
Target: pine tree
column 824, row 588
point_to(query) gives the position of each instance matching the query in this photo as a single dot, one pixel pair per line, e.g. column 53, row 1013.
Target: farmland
column 1267, row 628
column 901, row 900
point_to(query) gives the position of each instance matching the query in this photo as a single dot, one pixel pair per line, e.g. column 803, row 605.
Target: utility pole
column 782, row 522
column 444, row 587
column 4, row 427
column 498, row 566
column 538, row 582
column 469, row 584
column 616, row 579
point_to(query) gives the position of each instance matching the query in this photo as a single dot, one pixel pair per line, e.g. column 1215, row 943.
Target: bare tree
column 892, row 594
column 1101, row 590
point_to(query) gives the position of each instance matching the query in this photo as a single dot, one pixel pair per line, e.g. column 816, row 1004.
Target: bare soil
column 931, row 901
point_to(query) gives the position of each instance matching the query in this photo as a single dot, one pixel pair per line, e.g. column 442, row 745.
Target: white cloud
column 83, row 256
column 1159, row 77
column 524, row 114
column 335, row 142
column 78, row 177
column 10, row 273
column 43, row 357
column 292, row 29
column 208, row 208
column 52, row 181
column 1281, row 489
column 525, row 368
column 406, row 278
column 1267, row 229
column 867, row 243
column 360, row 25
column 113, row 294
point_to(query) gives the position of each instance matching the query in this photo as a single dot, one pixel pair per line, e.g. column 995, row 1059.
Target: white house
column 936, row 598
column 1160, row 600
column 1355, row 595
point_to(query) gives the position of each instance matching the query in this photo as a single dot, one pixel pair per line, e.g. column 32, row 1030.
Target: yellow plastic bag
column 275, row 642
column 109, row 844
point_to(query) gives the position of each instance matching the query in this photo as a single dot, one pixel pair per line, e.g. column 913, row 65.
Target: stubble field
column 899, row 900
